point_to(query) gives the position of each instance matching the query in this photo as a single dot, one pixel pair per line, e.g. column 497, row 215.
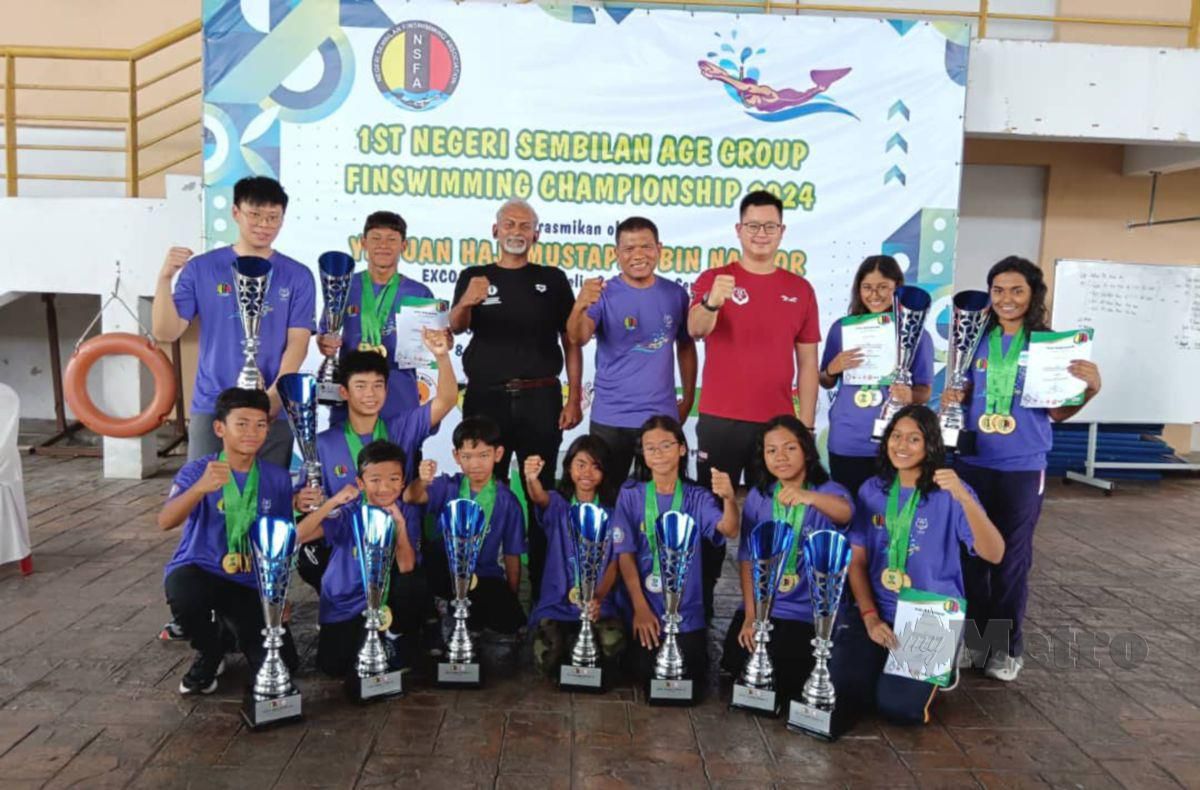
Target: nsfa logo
column 224, row 289
column 340, row 470
column 416, row 66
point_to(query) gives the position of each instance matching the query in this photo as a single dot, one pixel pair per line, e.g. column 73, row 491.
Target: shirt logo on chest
column 285, row 293
column 340, row 470
column 224, row 289
column 631, row 323
column 790, row 299
column 540, row 288
column 981, row 365
column 740, row 296
column 352, row 310
column 878, row 520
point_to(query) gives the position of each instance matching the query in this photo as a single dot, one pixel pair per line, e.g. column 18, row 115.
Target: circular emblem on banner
column 416, row 65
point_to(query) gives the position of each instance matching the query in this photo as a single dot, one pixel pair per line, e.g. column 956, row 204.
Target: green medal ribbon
column 241, row 508
column 899, row 524
column 375, row 310
column 793, row 516
column 1002, row 371
column 354, row 441
column 486, row 499
column 651, row 517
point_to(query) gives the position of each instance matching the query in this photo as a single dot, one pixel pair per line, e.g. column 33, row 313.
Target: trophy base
column 452, row 674
column 671, row 692
column 959, row 440
column 811, row 720
column 573, row 678
column 260, row 712
column 755, row 700
column 328, row 394
column 373, row 687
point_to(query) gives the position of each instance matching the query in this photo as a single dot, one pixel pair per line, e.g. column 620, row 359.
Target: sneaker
column 1003, row 667
column 202, row 677
column 397, row 654
column 172, row 632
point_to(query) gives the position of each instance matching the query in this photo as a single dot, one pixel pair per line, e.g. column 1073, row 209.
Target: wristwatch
column 704, row 303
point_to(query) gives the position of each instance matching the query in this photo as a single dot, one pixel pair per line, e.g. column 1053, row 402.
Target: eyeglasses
column 883, row 289
column 755, row 228
column 659, row 449
column 266, row 220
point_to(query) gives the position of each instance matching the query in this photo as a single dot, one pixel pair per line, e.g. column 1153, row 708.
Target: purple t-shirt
column 402, row 384
column 1023, row 450
column 504, row 537
column 850, row 425
column 203, row 542
column 636, row 332
column 338, row 469
column 797, row 604
column 342, row 594
column 629, row 538
column 205, row 289
column 558, row 577
column 934, row 561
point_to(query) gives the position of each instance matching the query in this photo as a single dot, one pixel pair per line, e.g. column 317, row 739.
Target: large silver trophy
column 375, row 538
column 967, row 323
column 590, row 538
column 826, row 561
column 251, row 278
column 298, row 392
column 770, row 543
column 676, row 545
column 272, row 698
column 910, row 305
column 461, row 522
column 337, row 272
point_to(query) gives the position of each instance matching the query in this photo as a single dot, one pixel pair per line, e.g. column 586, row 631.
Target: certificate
column 874, row 335
column 415, row 314
column 928, row 627
column 1048, row 385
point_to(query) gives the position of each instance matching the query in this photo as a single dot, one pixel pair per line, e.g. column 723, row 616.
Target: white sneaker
column 1004, row 667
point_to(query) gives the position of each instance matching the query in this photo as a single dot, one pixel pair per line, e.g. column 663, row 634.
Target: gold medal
column 907, row 581
column 474, row 581
column 1004, row 424
column 985, row 423
column 385, row 617
column 788, row 582
column 573, row 596
column 232, row 563
column 863, row 398
column 892, row 579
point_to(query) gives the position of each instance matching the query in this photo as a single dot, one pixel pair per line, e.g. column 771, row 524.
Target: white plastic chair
column 14, row 520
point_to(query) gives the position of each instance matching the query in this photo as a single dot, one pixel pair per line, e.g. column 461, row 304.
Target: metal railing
column 129, row 121
column 132, row 118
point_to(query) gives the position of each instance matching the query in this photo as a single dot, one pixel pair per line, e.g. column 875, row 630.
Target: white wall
column 1000, row 213
column 24, row 346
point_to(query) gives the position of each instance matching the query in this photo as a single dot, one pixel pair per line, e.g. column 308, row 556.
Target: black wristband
column 704, row 303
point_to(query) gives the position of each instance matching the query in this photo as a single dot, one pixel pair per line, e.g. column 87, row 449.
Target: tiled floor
column 1110, row 695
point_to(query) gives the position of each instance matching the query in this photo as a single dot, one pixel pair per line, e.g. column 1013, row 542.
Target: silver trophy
column 461, row 522
column 590, row 537
column 272, row 698
column 826, row 561
column 298, row 392
column 968, row 320
column 337, row 272
column 676, row 545
column 375, row 538
column 910, row 305
column 770, row 543
column 251, row 279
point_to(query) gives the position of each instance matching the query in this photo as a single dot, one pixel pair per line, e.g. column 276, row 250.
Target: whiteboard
column 1147, row 322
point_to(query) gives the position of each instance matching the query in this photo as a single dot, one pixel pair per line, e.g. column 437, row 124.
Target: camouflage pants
column 553, row 640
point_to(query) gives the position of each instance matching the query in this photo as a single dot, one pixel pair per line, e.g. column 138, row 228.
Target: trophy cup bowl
column 298, row 392
column 770, row 543
column 910, row 305
column 272, row 698
column 676, row 544
column 251, row 279
column 968, row 319
column 375, row 538
column 590, row 538
column 337, row 272
column 462, row 522
column 826, row 561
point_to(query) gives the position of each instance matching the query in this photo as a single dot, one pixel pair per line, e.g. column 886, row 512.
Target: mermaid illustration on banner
column 767, row 101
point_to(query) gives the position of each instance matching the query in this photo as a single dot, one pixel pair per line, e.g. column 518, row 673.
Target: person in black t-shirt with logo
column 517, row 315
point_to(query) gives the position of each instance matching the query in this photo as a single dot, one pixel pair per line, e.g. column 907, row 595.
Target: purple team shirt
column 850, row 425
column 338, row 469
column 1023, row 450
column 204, row 542
column 505, row 536
column 402, row 384
column 636, row 332
column 628, row 538
column 205, row 289
column 558, row 577
column 934, row 559
column 797, row 604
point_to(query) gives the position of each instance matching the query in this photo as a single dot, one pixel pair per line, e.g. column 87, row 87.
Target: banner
column 442, row 111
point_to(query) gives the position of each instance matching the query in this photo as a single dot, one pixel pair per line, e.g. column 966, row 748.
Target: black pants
column 856, row 669
column 528, row 421
column 790, row 650
column 622, row 446
column 726, row 445
column 194, row 595
column 311, row 562
column 494, row 606
column 693, row 645
column 408, row 598
column 852, row 470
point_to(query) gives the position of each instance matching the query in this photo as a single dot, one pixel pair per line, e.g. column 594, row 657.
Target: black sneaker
column 172, row 632
column 397, row 652
column 202, row 677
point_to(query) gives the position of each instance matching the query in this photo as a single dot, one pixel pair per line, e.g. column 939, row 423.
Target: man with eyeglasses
column 640, row 323
column 517, row 315
column 761, row 330
column 205, row 291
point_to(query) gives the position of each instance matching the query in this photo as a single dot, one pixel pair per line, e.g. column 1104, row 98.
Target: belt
column 517, row 385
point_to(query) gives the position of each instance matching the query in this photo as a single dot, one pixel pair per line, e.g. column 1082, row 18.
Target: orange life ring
column 108, row 344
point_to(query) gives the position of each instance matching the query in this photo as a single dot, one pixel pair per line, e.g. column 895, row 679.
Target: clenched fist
column 216, row 475
column 722, row 486
column 177, row 258
column 427, row 471
column 477, row 291
column 589, row 294
column 722, row 289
